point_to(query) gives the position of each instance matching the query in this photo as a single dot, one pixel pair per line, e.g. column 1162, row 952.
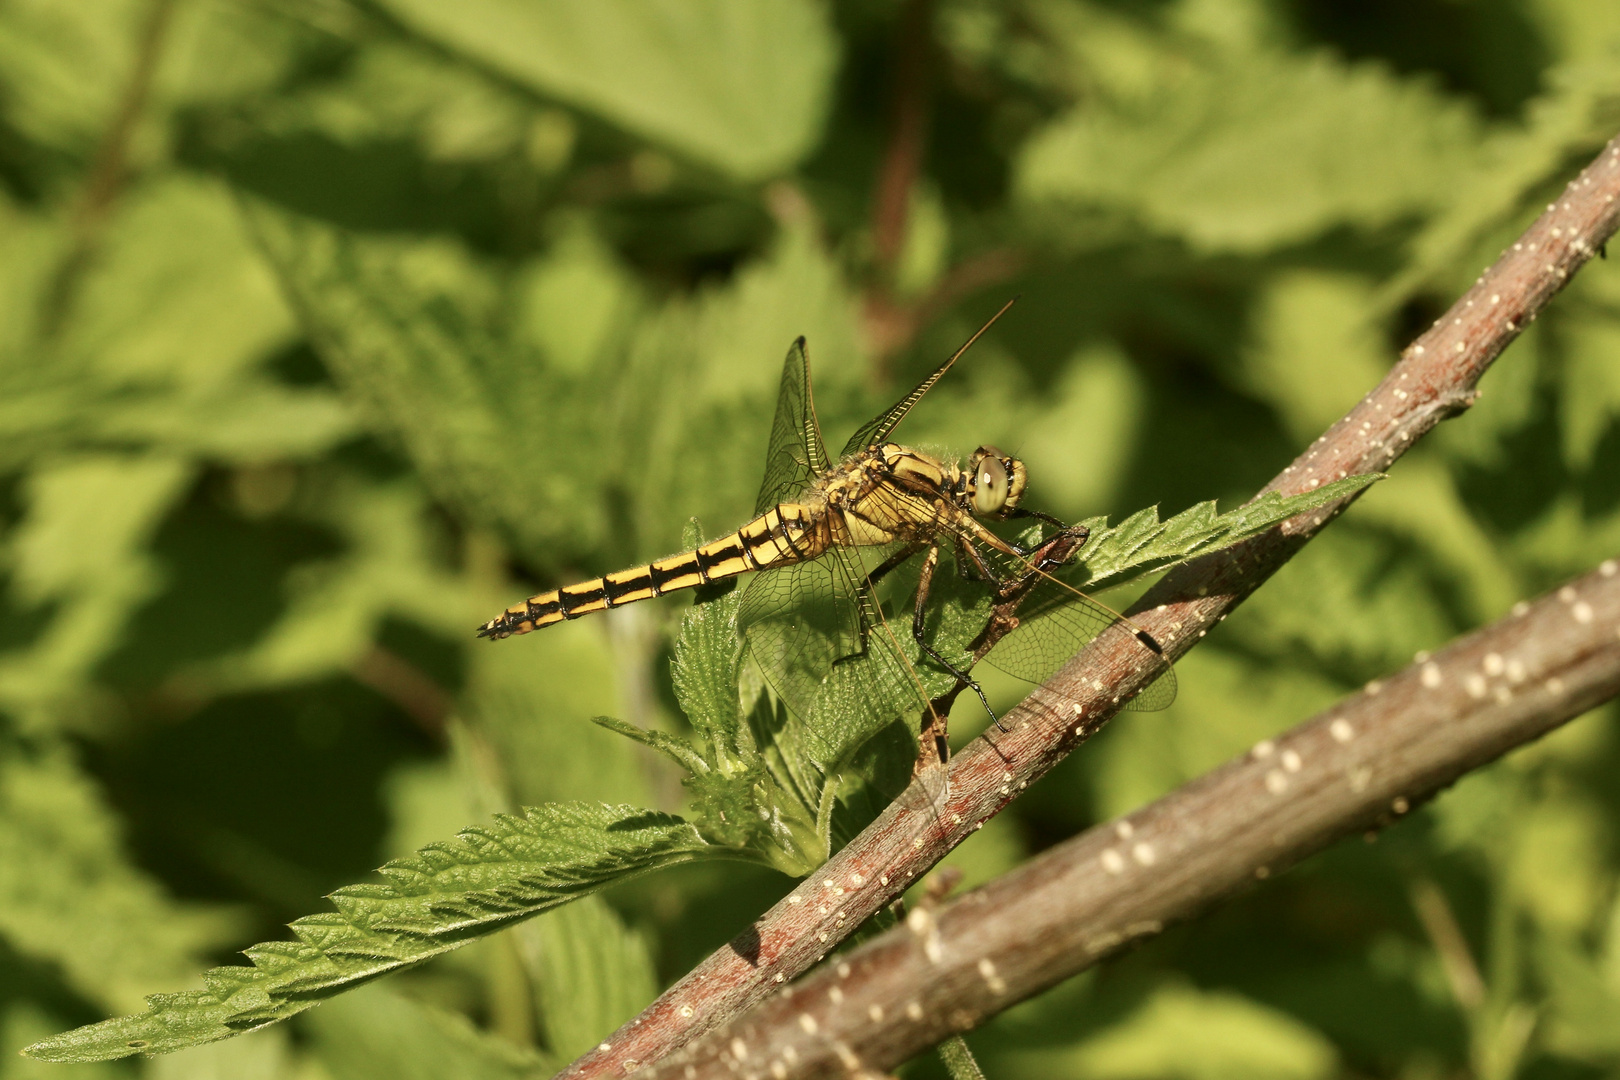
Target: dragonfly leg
column 889, row 564
column 1045, row 561
column 1078, row 533
column 1039, row 516
column 967, row 554
column 919, row 631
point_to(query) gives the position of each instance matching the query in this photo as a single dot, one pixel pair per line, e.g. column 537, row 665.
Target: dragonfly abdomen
column 788, row 533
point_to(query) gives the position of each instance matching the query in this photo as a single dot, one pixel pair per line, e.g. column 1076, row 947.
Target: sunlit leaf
column 432, row 902
column 1260, row 151
column 1142, row 542
column 82, row 548
column 1327, row 318
column 63, row 65
column 743, row 89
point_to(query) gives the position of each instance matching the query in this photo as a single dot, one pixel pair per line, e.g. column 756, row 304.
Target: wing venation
column 796, row 454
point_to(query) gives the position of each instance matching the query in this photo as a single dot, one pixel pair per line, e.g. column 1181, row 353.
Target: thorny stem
column 1363, row 764
column 1434, row 379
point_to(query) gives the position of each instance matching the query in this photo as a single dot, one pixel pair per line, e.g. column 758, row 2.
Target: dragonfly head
column 995, row 482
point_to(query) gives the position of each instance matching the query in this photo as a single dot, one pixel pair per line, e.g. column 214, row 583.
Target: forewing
column 878, row 429
column 1055, row 622
column 796, row 454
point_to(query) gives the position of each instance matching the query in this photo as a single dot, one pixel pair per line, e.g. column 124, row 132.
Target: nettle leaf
column 162, row 343
column 411, row 327
column 81, row 554
column 740, row 87
column 442, row 897
column 69, row 894
column 678, row 751
column 591, row 973
column 62, row 70
column 377, row 1033
column 701, row 380
column 1255, row 152
column 708, row 661
column 1142, row 543
column 753, row 787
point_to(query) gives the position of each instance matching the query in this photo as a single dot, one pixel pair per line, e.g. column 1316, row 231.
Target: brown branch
column 891, row 325
column 1440, row 923
column 1434, row 379
column 111, row 167
column 908, row 134
column 419, row 697
column 1361, row 765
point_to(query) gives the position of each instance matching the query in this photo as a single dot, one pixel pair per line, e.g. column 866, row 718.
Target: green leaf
column 591, row 974
column 1257, row 151
column 1348, row 598
column 63, row 69
column 437, row 900
column 70, row 896
column 410, row 328
column 530, row 698
column 668, row 745
column 700, row 384
column 1422, row 504
column 1079, row 445
column 708, row 662
column 1491, row 204
column 82, row 549
column 742, row 88
column 1142, row 543
column 336, row 607
column 162, row 342
column 178, row 292
column 1187, row 1034
column 377, row 1034
column 757, row 789
column 1590, row 391
column 1330, row 318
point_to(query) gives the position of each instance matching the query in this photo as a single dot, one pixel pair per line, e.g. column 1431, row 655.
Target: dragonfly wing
column 828, row 651
column 880, row 427
column 1055, row 622
column 796, row 454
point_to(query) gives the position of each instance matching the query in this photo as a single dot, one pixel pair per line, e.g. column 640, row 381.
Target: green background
column 353, row 322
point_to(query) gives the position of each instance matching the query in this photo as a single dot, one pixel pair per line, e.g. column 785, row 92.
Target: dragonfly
column 826, row 533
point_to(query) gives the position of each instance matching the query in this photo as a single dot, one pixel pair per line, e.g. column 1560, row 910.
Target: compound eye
column 989, row 486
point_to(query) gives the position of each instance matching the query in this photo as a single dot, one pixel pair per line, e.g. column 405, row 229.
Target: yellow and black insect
column 827, row 532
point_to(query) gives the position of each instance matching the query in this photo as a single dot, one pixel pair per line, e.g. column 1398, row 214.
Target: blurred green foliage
column 330, row 327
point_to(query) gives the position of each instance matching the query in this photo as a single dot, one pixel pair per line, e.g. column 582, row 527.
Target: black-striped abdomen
column 787, row 534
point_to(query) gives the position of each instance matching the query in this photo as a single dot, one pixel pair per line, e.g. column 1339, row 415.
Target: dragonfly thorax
column 989, row 487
